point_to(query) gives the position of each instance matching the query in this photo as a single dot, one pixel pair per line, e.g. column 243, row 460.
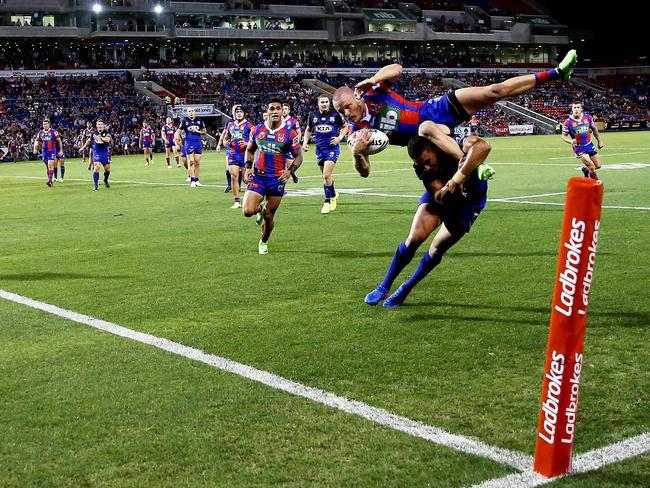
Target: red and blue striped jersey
column 169, row 131
column 86, row 134
column 390, row 113
column 579, row 129
column 274, row 147
column 291, row 123
column 146, row 135
column 47, row 138
column 238, row 132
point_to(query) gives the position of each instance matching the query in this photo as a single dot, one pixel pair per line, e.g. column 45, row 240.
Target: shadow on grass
column 59, row 276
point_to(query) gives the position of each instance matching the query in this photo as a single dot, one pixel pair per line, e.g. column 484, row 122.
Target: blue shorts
column 459, row 218
column 586, row 149
column 49, row 156
column 99, row 158
column 169, row 143
column 329, row 154
column 269, row 186
column 235, row 160
column 183, row 152
column 445, row 110
column 147, row 145
column 193, row 148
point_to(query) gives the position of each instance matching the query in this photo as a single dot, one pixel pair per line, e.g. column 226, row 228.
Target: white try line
column 606, row 154
column 380, row 416
column 309, row 192
column 582, row 463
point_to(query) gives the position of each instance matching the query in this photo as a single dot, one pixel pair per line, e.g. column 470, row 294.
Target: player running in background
column 167, row 132
column 59, row 162
column 193, row 128
column 576, row 130
column 329, row 129
column 453, row 199
column 291, row 123
column 101, row 142
column 147, row 142
column 86, row 135
column 220, row 144
column 373, row 104
column 275, row 150
column 49, row 142
column 235, row 138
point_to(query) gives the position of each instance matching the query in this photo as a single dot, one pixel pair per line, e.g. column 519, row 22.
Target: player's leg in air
column 475, row 98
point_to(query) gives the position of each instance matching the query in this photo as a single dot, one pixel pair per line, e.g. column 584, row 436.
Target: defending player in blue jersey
column 373, row 104
column 328, row 128
column 453, row 199
column 576, row 130
column 101, row 142
column 193, row 128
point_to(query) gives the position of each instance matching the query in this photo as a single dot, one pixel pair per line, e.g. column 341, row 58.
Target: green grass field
column 80, row 407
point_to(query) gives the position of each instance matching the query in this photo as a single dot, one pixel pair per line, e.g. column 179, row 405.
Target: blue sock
column 332, row 191
column 228, row 178
column 427, row 263
column 62, row 171
column 328, row 196
column 56, row 172
column 401, row 258
column 96, row 179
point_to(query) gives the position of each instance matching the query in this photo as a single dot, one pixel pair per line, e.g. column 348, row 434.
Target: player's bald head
column 342, row 93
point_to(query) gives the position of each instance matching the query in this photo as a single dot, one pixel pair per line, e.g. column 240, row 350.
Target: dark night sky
column 619, row 32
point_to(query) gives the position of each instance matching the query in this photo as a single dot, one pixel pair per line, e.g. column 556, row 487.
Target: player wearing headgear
column 235, row 137
column 329, row 129
column 193, row 128
column 167, row 132
column 272, row 156
column 576, row 130
column 373, row 104
column 147, row 142
column 49, row 142
column 454, row 197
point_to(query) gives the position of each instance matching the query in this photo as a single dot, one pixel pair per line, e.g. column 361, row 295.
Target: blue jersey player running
column 453, row 199
column 374, row 105
column 193, row 128
column 576, row 130
column 328, row 128
column 101, row 142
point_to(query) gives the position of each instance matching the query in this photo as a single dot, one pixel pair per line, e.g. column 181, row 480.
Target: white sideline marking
column 435, row 435
column 582, row 463
column 351, row 191
column 604, row 154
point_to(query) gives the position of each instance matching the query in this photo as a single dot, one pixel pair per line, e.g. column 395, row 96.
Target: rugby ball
column 378, row 144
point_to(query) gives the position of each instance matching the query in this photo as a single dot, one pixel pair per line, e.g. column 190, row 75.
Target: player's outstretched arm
column 439, row 135
column 390, row 74
column 475, row 152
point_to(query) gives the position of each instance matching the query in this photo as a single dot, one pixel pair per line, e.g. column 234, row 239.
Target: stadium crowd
column 69, row 102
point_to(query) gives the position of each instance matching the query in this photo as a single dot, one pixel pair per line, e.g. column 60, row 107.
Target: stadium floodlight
column 97, row 8
column 158, row 9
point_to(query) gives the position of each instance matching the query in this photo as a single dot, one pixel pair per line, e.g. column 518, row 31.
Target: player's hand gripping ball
column 367, row 141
